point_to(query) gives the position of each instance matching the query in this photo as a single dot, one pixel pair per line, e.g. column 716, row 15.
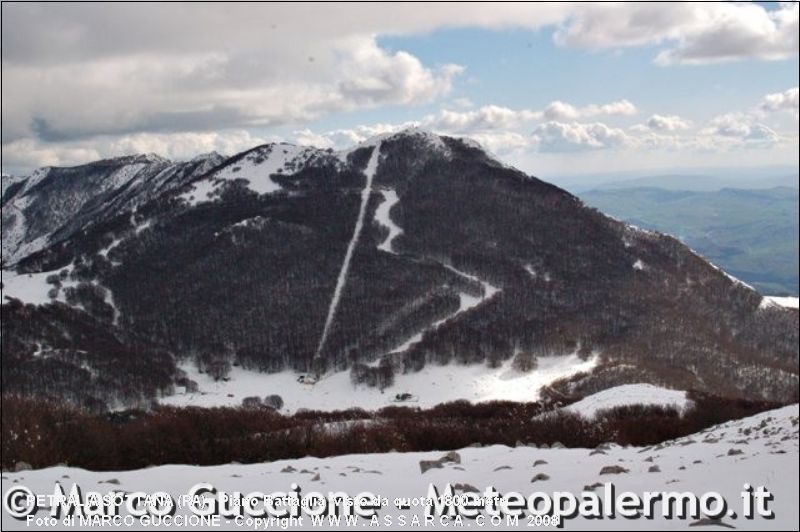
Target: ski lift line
column 369, row 172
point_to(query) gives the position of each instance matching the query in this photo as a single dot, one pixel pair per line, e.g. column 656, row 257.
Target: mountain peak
column 206, row 156
column 152, row 158
column 410, row 131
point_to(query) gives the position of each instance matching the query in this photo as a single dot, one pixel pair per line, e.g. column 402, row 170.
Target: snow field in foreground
column 761, row 450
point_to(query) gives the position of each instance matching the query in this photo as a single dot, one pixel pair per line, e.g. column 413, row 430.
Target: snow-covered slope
column 776, row 301
column 626, row 395
column 758, row 451
column 54, row 203
column 256, row 167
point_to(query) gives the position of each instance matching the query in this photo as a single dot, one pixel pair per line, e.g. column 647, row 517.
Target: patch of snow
column 200, row 192
column 776, row 301
column 629, row 394
column 700, row 463
column 32, row 288
column 533, row 273
column 258, row 174
column 256, row 167
column 639, row 265
column 432, row 385
column 27, row 287
column 106, row 250
column 390, row 199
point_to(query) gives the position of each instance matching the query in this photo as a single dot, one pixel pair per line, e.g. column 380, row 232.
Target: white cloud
column 741, row 127
column 346, row 137
column 238, row 65
column 567, row 137
column 487, row 117
column 493, row 117
column 787, row 100
column 665, row 123
column 559, row 110
column 729, row 32
column 694, row 33
column 504, row 143
column 194, row 93
column 80, row 80
column 373, row 76
column 28, row 153
column 306, row 137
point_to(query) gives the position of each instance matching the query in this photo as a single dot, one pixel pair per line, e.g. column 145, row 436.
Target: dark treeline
column 44, row 433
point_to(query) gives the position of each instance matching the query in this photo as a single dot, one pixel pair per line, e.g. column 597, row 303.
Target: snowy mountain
column 137, row 278
column 53, row 204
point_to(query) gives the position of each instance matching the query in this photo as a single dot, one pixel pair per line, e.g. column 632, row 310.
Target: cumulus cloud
column 346, row 137
column 28, row 153
column 492, row 117
column 787, row 100
column 306, row 137
column 731, row 32
column 486, row 117
column 176, row 94
column 559, row 110
column 372, row 76
column 238, row 65
column 555, row 136
column 82, row 79
column 694, row 33
column 741, row 127
column 665, row 123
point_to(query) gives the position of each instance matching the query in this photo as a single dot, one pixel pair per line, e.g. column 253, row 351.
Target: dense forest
column 44, row 433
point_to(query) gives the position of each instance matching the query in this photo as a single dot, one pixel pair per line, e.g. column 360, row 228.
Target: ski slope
column 390, row 199
column 466, row 302
column 369, row 173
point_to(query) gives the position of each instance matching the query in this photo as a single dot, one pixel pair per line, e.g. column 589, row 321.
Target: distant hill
column 753, row 234
column 693, row 179
column 702, row 183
